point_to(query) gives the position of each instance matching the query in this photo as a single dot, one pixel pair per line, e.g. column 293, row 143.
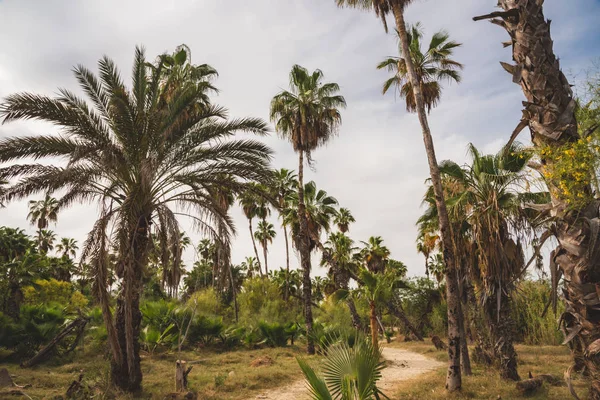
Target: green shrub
column 274, row 333
column 529, row 301
column 205, row 330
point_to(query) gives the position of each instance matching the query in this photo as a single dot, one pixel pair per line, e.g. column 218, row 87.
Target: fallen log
column 439, row 343
column 77, row 325
column 532, row 384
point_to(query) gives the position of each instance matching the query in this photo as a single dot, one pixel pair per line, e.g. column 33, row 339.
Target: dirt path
column 402, row 365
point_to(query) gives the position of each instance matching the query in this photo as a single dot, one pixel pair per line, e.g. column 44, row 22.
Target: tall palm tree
column 343, row 219
column 46, row 240
column 249, row 200
column 431, row 67
column 338, row 255
column 489, row 200
column 251, row 266
column 383, row 8
column 375, row 254
column 308, row 116
column 265, row 233
column 318, row 211
column 41, row 212
column 146, row 155
column 550, row 116
column 68, row 247
column 284, row 184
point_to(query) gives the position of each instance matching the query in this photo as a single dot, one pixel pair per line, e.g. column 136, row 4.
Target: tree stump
column 532, row 384
column 439, row 343
column 181, row 375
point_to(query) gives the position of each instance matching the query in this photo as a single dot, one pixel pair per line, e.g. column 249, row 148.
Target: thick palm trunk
column 341, row 280
column 465, row 360
column 304, row 249
column 549, row 114
column 287, row 264
column 13, row 302
column 502, row 332
column 127, row 375
column 453, row 377
column 254, row 245
column 374, row 326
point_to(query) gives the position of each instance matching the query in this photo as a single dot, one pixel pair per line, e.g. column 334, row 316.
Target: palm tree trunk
column 304, row 249
column 453, row 377
column 254, row 245
column 465, row 360
column 233, row 292
column 501, row 329
column 374, row 327
column 549, row 114
column 287, row 264
column 264, row 246
column 127, row 375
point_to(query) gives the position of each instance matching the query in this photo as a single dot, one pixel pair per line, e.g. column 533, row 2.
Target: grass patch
column 485, row 383
column 217, row 375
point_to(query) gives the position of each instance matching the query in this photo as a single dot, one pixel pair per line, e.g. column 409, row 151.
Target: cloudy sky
column 377, row 165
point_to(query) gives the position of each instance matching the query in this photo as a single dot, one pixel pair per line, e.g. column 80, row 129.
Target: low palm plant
column 349, row 373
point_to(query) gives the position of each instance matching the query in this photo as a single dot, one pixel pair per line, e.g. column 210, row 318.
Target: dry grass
column 485, row 383
column 217, row 375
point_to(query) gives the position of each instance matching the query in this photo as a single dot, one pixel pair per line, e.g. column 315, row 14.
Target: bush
column 529, row 301
column 51, row 291
column 36, row 326
column 205, row 330
column 274, row 333
column 260, row 300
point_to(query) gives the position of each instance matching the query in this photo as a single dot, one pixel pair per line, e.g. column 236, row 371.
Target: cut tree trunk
column 304, row 249
column 549, row 114
column 181, row 375
column 453, row 377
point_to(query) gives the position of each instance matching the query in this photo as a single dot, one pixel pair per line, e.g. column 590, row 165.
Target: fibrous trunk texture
column 254, row 245
column 127, row 375
column 549, row 114
column 453, row 377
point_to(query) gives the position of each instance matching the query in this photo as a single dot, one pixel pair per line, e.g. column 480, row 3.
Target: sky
column 376, row 167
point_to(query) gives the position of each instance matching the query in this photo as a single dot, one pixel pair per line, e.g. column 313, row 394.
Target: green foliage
column 274, row 333
column 37, row 325
column 44, row 291
column 205, row 330
column 534, row 327
column 570, row 168
column 261, row 300
column 349, row 373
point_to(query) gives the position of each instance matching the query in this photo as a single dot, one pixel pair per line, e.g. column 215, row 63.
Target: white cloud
column 376, row 167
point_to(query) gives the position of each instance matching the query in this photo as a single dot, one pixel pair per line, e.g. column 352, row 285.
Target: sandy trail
column 402, row 365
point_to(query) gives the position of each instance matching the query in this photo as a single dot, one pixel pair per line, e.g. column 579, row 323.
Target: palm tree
column 319, row 209
column 431, row 67
column 550, row 116
column 491, row 204
column 265, row 234
column 343, row 219
column 375, row 254
column 284, row 184
column 350, row 373
column 68, row 247
column 46, row 240
column 249, row 200
column 338, row 255
column 251, row 265
column 41, row 212
column 146, row 155
column 308, row 116
column 396, row 7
